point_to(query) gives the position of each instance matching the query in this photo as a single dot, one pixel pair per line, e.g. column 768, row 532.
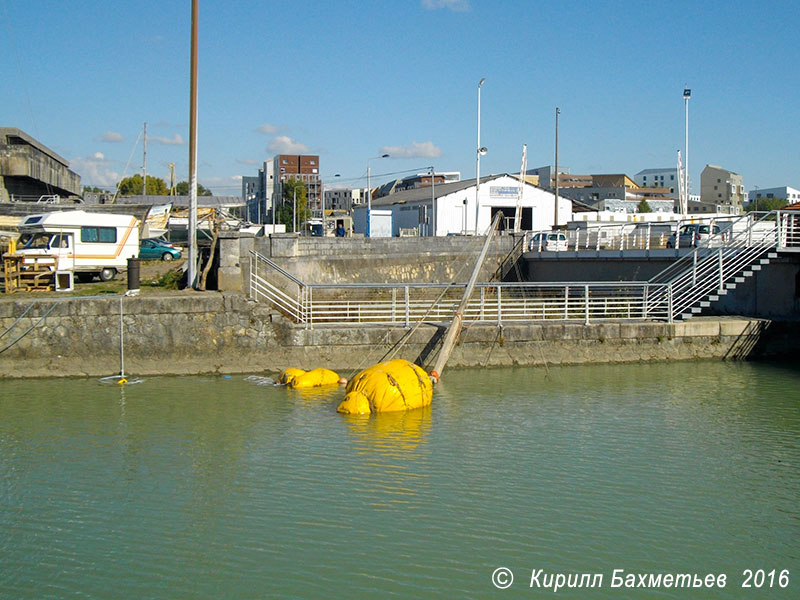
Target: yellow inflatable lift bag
column 313, row 378
column 389, row 386
column 289, row 374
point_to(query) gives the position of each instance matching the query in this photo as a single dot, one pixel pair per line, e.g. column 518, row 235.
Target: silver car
column 696, row 234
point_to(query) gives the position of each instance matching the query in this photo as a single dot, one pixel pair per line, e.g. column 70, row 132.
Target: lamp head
column 481, row 82
column 482, row 150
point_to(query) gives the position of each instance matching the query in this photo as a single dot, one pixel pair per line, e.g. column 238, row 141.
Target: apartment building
column 721, row 187
column 263, row 192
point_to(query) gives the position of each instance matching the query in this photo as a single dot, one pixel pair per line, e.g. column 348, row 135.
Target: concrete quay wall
column 224, row 333
column 361, row 260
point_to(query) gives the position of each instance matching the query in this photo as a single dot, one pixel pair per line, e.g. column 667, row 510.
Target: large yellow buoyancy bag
column 388, row 386
column 289, row 374
column 314, row 378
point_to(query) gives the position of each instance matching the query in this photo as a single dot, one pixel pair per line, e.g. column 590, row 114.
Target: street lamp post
column 433, row 200
column 555, row 224
column 687, row 93
column 322, row 186
column 369, row 195
column 480, row 151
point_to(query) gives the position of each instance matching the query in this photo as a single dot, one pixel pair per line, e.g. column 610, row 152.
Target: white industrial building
column 450, row 208
column 790, row 194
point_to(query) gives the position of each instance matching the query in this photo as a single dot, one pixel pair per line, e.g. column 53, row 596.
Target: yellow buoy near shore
column 289, row 374
column 389, row 386
column 313, row 378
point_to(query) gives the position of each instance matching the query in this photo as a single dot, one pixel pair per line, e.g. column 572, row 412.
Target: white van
column 88, row 244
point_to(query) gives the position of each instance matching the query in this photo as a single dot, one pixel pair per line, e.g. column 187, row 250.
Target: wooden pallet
column 28, row 274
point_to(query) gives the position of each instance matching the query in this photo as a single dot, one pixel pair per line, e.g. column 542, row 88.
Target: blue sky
column 349, row 80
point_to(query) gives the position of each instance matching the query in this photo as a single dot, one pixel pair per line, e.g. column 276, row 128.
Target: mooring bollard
column 133, row 277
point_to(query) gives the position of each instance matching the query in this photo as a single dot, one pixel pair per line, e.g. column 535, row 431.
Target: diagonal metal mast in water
column 454, row 328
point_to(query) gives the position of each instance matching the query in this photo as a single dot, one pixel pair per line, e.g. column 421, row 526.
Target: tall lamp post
column 433, row 201
column 687, row 93
column 322, row 187
column 369, row 194
column 480, row 151
column 555, row 216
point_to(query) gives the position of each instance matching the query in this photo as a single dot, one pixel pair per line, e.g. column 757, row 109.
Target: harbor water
column 221, row 487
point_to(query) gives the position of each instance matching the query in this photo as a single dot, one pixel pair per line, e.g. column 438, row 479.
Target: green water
column 206, row 487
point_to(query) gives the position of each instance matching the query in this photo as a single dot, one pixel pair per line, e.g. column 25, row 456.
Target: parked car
column 696, row 234
column 549, row 242
column 152, row 249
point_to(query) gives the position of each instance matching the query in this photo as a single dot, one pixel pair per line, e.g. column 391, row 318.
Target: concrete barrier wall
column 360, row 260
column 223, row 333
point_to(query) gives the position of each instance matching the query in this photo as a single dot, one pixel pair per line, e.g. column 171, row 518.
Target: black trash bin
column 133, row 274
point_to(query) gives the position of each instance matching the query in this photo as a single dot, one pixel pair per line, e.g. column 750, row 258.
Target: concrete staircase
column 699, row 279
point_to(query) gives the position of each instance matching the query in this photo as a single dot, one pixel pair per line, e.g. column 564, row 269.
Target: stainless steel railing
column 406, row 304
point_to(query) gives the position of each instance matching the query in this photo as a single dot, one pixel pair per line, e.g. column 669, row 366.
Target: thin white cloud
column 286, row 145
column 95, row 170
column 247, row 161
column 111, row 137
column 454, row 5
column 267, row 129
column 175, row 140
column 415, row 150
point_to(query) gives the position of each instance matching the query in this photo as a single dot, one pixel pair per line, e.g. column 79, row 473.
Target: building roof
column 424, row 193
column 651, row 171
column 183, row 201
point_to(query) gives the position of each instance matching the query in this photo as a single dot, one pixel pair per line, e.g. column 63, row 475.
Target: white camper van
column 88, row 244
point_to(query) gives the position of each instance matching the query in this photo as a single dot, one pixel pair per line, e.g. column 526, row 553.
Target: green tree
column 766, row 204
column 643, row 206
column 132, row 186
column 286, row 212
column 182, row 189
column 93, row 190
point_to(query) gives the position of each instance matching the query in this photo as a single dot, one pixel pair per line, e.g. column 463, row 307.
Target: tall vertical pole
column 687, row 93
column 144, row 161
column 322, row 199
column 480, row 150
column 369, row 202
column 192, row 230
column 433, row 201
column 555, row 216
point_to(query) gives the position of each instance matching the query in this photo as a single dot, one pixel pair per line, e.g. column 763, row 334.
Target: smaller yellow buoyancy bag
column 388, row 386
column 289, row 374
column 314, row 378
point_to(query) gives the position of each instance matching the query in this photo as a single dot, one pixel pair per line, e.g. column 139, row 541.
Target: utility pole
column 171, row 179
column 144, row 161
column 191, row 273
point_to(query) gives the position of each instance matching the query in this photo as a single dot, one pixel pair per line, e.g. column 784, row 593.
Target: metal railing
column 638, row 235
column 693, row 279
column 406, row 304
column 788, row 223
